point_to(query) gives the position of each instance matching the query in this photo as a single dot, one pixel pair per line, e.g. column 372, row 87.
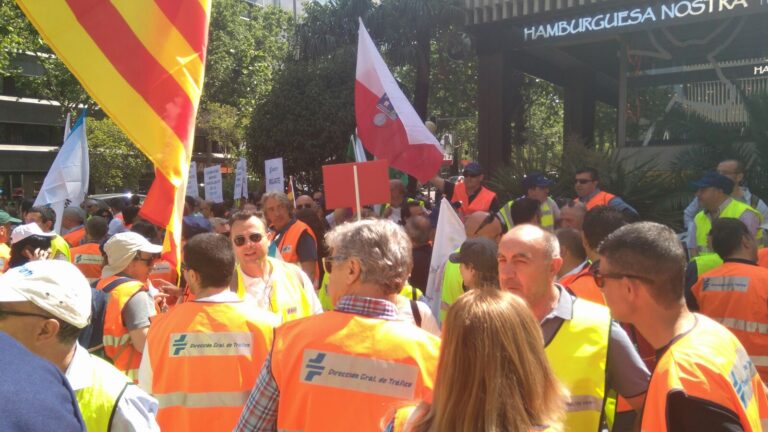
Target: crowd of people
column 553, row 314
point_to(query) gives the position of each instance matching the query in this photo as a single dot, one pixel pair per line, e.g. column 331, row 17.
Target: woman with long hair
column 493, row 375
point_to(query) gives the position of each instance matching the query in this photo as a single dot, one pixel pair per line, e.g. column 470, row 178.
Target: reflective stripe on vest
column 578, row 355
column 326, row 368
column 707, row 363
column 401, row 418
column 482, row 201
column 736, row 295
column 733, row 210
column 288, row 298
column 117, row 339
column 205, row 358
column 506, row 214
column 98, row 401
column 453, row 287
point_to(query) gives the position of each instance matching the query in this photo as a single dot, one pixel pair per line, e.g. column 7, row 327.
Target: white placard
column 192, row 180
column 241, row 180
column 213, row 192
column 274, row 175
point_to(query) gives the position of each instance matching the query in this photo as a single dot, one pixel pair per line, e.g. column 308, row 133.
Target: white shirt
column 260, row 289
column 576, row 269
column 135, row 410
column 405, row 313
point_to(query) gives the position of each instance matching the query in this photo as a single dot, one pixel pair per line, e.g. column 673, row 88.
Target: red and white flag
column 387, row 124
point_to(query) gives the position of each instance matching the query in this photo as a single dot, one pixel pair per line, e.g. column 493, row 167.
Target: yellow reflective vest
column 288, row 299
column 98, row 401
column 733, row 210
column 60, row 248
column 325, row 298
column 546, row 215
column 453, row 287
column 578, row 355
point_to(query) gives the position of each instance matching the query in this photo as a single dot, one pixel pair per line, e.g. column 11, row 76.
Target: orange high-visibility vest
column 117, row 340
column 482, row 201
column 600, row 199
column 762, row 257
column 289, row 241
column 707, row 363
column 736, row 296
column 340, row 371
column 582, row 285
column 162, row 269
column 88, row 259
column 75, row 237
column 205, row 358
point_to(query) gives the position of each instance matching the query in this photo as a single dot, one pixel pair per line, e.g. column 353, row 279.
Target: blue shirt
column 35, row 395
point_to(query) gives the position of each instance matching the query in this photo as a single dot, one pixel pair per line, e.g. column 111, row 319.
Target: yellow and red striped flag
column 143, row 62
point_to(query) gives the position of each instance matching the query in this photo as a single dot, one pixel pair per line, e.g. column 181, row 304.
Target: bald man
column 589, row 353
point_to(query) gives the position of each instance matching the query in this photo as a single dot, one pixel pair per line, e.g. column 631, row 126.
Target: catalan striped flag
column 143, row 62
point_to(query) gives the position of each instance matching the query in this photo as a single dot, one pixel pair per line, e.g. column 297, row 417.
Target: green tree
column 116, row 163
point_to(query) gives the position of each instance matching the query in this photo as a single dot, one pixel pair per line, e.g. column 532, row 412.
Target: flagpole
column 357, row 193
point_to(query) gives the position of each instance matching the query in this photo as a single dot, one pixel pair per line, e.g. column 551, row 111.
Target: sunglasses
column 583, row 181
column 303, row 206
column 14, row 313
column 328, row 263
column 253, row 237
column 146, row 260
column 601, row 277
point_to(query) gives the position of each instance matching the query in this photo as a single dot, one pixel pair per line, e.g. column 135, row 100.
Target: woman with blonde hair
column 493, row 375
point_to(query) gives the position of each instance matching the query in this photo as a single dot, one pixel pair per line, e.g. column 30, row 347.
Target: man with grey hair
column 290, row 237
column 72, row 225
column 325, row 372
column 589, row 353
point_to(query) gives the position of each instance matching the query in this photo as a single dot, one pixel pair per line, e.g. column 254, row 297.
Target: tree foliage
column 116, row 164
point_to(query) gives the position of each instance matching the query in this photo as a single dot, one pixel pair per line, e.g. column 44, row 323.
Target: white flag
column 448, row 237
column 67, row 180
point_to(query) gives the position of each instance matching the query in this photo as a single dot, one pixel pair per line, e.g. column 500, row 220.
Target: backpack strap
column 115, row 283
column 416, row 312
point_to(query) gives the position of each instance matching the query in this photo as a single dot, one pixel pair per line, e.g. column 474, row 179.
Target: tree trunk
column 421, row 88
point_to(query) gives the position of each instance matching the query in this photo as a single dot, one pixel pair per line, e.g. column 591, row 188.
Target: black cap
column 535, row 179
column 480, row 253
column 473, row 169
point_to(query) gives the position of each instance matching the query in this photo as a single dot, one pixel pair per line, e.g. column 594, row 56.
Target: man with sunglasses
column 586, row 184
column 470, row 195
column 44, row 305
column 344, row 369
column 704, row 379
column 129, row 261
column 536, row 186
column 274, row 285
column 202, row 357
column 589, row 353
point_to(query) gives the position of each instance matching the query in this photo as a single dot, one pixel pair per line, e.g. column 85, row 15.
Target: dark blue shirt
column 35, row 395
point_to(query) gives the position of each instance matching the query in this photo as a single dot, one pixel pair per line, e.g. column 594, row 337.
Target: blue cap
column 535, row 179
column 715, row 180
column 473, row 169
column 193, row 225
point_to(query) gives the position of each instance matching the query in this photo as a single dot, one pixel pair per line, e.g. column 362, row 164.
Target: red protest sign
column 339, row 184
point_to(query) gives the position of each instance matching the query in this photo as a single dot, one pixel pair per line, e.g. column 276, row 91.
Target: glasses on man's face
column 601, row 277
column 253, row 237
column 583, row 181
column 303, row 206
column 147, row 260
column 328, row 263
column 4, row 313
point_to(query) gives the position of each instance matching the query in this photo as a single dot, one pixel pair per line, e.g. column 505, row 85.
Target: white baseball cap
column 23, row 231
column 56, row 286
column 121, row 248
